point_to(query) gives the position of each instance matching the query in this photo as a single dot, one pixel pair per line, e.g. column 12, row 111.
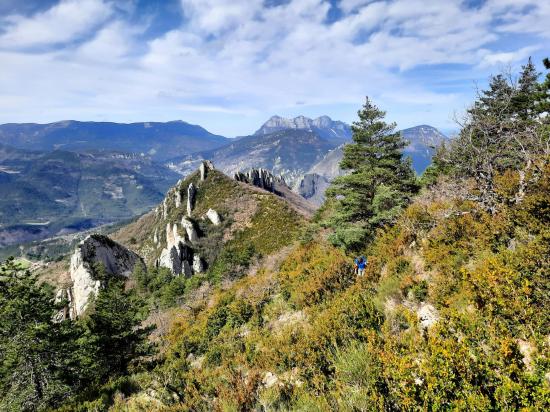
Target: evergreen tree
column 504, row 129
column 380, row 183
column 113, row 325
column 38, row 357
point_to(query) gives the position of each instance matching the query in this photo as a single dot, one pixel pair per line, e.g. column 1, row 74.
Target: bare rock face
column 165, row 208
column 92, row 251
column 198, row 266
column 205, row 166
column 191, row 192
column 189, row 229
column 214, row 217
column 427, row 315
column 260, row 178
column 177, row 198
column 313, row 187
column 64, row 295
column 177, row 258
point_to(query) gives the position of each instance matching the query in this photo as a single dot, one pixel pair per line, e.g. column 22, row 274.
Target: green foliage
column 45, row 363
column 381, row 181
column 37, row 356
column 113, row 324
column 505, row 129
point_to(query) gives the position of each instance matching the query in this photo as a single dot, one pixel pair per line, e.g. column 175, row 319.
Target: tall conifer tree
column 380, row 181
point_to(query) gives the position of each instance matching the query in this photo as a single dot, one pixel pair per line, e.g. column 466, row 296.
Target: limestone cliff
column 93, row 251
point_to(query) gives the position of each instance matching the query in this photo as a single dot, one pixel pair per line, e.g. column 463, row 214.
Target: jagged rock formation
column 92, row 251
column 313, row 187
column 189, row 229
column 205, row 166
column 214, row 217
column 177, row 258
column 261, row 178
column 198, row 266
column 324, row 126
column 191, row 192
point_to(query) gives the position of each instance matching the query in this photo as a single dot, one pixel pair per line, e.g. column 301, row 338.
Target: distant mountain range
column 83, row 174
column 160, row 141
column 289, row 153
column 323, row 126
column 295, row 147
column 423, row 140
column 50, row 193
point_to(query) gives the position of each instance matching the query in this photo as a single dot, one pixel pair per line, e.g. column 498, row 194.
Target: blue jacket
column 361, row 265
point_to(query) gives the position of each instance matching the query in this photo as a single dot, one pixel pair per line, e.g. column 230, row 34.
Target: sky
column 229, row 65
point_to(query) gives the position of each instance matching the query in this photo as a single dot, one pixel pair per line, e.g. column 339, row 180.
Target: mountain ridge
column 160, row 140
column 323, row 125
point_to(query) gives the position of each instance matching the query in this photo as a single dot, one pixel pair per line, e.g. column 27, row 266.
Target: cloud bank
column 229, row 64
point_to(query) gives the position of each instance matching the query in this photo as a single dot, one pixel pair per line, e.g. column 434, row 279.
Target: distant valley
column 57, row 192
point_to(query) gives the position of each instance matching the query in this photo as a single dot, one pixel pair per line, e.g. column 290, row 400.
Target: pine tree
column 381, row 181
column 113, row 325
column 504, row 130
column 38, row 357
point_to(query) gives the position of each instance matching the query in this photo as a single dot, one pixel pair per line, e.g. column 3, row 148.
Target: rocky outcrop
column 64, row 297
column 214, row 217
column 191, row 193
column 190, row 230
column 313, row 187
column 97, row 250
column 177, row 198
column 205, row 166
column 198, row 265
column 165, row 208
column 260, row 178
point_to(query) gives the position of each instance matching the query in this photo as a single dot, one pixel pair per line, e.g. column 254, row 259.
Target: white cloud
column 240, row 58
column 59, row 24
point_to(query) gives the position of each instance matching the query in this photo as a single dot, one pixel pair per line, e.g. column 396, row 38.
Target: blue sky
column 229, row 65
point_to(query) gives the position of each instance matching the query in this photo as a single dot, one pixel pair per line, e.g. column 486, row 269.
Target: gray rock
column 427, row 315
column 198, row 266
column 67, row 312
column 214, row 217
column 177, row 198
column 261, row 178
column 97, row 249
column 191, row 192
column 205, row 166
column 165, row 208
column 189, row 229
column 170, row 258
column 313, row 187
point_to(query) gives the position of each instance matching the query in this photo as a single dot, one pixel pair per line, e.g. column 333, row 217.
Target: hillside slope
column 251, row 224
column 448, row 315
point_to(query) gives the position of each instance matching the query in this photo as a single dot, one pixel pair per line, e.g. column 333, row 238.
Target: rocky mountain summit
column 203, row 220
column 324, row 126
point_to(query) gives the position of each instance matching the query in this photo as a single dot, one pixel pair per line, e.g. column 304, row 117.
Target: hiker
column 355, row 266
column 361, row 264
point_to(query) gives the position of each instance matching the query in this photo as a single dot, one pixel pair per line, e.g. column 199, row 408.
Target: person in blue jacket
column 360, row 263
